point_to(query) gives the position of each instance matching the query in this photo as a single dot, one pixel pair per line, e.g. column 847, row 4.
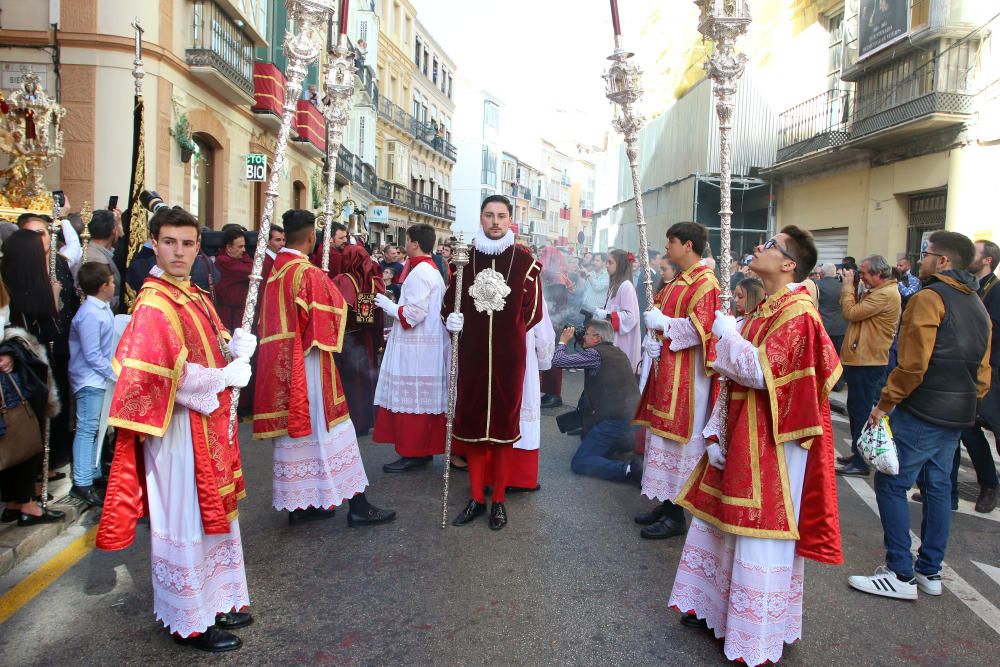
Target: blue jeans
column 863, row 386
column 605, row 437
column 89, row 401
column 926, row 450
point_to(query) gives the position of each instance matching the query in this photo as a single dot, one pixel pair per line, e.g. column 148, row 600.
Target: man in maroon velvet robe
column 501, row 300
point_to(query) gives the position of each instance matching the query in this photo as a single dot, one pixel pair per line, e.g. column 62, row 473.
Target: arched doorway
column 204, row 179
column 299, row 195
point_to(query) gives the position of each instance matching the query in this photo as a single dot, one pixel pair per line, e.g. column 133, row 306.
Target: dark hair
column 497, row 199
column 25, row 217
column 850, row 263
column 231, row 235
column 992, row 251
column 337, row 227
column 623, row 271
column 172, row 217
column 92, row 275
column 754, row 290
column 24, row 274
column 273, row 229
column 102, row 225
column 956, row 247
column 297, row 223
column 390, row 268
column 802, row 247
column 424, row 236
column 689, row 231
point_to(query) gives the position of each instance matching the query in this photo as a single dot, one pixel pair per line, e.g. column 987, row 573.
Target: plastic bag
column 878, row 448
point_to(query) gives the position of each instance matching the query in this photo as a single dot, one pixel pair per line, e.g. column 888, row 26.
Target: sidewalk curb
column 19, row 543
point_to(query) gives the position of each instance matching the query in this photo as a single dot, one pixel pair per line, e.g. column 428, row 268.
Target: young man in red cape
column 173, row 460
column 677, row 399
column 770, row 499
column 299, row 400
column 500, row 302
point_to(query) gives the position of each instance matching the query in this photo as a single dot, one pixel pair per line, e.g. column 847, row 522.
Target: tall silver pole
column 338, row 89
column 303, row 44
column 460, row 256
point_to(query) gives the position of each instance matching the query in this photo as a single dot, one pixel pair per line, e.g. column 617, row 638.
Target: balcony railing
column 393, row 193
column 431, row 206
column 356, row 170
column 220, row 44
column 538, row 203
column 817, row 123
column 395, row 115
column 435, row 140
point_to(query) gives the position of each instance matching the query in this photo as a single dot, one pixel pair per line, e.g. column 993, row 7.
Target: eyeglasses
column 928, row 252
column 773, row 243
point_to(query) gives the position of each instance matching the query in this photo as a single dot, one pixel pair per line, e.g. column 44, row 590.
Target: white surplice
column 748, row 589
column 667, row 464
column 541, row 345
column 413, row 378
column 195, row 576
column 321, row 469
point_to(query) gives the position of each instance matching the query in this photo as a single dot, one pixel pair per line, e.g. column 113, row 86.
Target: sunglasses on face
column 773, row 243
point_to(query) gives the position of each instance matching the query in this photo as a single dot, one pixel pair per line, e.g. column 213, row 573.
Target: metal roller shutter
column 831, row 244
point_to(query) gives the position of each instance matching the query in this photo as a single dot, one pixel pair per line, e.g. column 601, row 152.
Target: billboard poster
column 881, row 23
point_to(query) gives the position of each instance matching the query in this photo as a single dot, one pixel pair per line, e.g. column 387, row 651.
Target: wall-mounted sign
column 12, row 74
column 378, row 214
column 881, row 23
column 256, row 167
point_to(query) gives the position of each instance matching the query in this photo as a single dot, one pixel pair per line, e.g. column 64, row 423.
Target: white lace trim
column 488, row 246
column 318, row 471
column 200, row 387
column 736, row 358
column 668, row 464
column 682, row 334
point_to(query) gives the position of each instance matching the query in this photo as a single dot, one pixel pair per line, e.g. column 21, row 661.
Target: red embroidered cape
column 751, row 496
column 173, row 323
column 302, row 310
column 492, row 352
column 667, row 404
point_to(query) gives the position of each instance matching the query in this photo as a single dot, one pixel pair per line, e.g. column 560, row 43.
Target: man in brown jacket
column 871, row 326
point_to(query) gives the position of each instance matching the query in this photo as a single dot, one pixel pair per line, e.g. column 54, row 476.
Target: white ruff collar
column 488, row 246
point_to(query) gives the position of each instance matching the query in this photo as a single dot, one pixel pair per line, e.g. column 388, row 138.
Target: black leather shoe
column 48, row 516
column 664, row 528
column 472, row 511
column 634, row 474
column 370, row 516
column 100, row 483
column 10, row 515
column 844, row 460
column 652, row 516
column 852, row 470
column 498, row 516
column 692, row 621
column 311, row 514
column 232, row 620
column 212, row 640
column 551, row 401
column 87, row 494
column 407, row 463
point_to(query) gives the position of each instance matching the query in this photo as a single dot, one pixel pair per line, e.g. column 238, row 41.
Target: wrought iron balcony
column 356, row 171
column 434, row 139
column 538, row 203
column 817, row 123
column 395, row 115
column 221, row 53
column 431, row 206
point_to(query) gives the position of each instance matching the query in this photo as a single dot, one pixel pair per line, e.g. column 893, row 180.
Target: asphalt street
column 569, row 581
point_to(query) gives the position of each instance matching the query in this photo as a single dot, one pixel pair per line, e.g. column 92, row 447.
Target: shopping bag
column 878, row 448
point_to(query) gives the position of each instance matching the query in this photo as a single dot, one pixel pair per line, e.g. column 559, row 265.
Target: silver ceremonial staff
column 624, row 89
column 460, row 256
column 303, row 45
column 338, row 89
column 722, row 21
column 54, row 280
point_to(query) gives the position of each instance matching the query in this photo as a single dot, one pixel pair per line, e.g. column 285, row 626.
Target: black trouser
column 17, row 483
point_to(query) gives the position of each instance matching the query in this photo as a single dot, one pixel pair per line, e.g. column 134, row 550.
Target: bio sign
column 256, row 167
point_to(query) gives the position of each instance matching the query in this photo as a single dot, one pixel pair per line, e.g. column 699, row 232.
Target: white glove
column 652, row 347
column 243, row 343
column 390, row 307
column 601, row 314
column 655, row 319
column 724, row 324
column 455, row 322
column 716, row 458
column 237, row 372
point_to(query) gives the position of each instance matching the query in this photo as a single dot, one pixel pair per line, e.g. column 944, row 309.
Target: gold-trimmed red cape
column 302, row 309
column 751, row 496
column 667, row 407
column 173, row 323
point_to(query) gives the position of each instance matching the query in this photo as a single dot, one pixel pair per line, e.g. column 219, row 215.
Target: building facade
column 477, row 139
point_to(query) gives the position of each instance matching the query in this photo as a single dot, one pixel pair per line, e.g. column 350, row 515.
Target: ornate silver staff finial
column 137, row 69
column 460, row 257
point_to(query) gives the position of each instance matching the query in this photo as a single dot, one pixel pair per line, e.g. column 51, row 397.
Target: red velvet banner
column 309, row 124
column 268, row 88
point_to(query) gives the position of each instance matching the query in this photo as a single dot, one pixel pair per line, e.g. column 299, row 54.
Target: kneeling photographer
column 609, row 399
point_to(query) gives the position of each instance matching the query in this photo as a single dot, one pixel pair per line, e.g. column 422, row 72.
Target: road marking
column 25, row 591
column 979, row 605
column 991, row 571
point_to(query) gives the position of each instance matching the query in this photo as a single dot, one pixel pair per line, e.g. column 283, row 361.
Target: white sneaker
column 885, row 583
column 928, row 583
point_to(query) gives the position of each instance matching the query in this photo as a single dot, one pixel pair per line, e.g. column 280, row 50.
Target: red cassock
column 302, row 310
column 231, row 292
column 172, row 324
column 751, row 496
column 491, row 353
column 667, row 404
